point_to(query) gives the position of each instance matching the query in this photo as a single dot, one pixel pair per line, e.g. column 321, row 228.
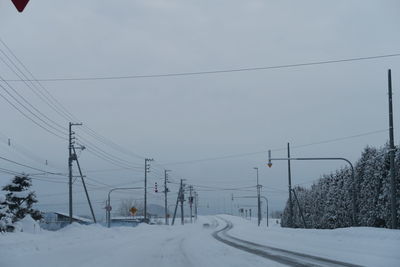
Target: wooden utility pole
column 165, row 196
column 71, row 158
column 290, row 188
column 146, row 171
column 182, row 199
column 392, row 150
column 191, row 203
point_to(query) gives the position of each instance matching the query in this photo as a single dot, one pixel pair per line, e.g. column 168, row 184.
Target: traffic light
column 269, row 159
column 155, row 188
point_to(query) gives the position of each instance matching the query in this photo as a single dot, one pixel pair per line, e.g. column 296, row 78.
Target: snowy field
column 192, row 245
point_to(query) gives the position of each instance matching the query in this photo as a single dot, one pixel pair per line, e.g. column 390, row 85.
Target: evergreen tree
column 20, row 199
column 329, row 201
column 5, row 216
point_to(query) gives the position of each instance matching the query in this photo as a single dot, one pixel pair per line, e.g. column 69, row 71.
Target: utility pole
column 290, row 188
column 146, row 171
column 195, row 204
column 177, row 202
column 191, row 203
column 71, row 158
column 232, row 204
column 182, row 200
column 165, row 195
column 392, row 150
column 84, row 185
column 258, row 200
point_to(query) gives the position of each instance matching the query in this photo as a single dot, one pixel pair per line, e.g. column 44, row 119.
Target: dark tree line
column 327, row 204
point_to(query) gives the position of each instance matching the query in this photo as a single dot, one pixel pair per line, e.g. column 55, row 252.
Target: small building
column 126, row 220
column 56, row 220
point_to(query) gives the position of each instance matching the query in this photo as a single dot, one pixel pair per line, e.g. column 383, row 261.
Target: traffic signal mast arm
column 270, row 159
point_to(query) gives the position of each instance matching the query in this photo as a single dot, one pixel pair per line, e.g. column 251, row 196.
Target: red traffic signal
column 155, row 188
column 20, row 4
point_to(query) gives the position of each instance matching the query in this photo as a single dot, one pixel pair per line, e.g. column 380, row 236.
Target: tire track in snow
column 283, row 256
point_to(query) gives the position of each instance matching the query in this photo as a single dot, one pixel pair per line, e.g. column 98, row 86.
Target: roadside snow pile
column 366, row 246
column 28, row 225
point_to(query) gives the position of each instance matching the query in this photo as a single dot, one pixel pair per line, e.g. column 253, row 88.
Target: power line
column 58, row 106
column 55, row 105
column 221, row 71
column 41, row 114
column 276, row 149
column 29, row 118
column 29, row 85
column 25, row 152
column 30, row 167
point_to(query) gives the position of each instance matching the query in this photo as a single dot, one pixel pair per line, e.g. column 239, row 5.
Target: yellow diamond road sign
column 133, row 210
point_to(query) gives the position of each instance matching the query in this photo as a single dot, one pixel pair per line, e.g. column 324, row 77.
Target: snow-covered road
column 145, row 245
column 193, row 245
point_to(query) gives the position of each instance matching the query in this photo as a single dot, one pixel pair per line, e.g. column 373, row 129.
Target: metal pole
column 195, row 205
column 290, row 188
column 108, row 209
column 146, row 170
column 190, row 203
column 70, row 172
column 232, row 204
column 258, row 200
column 145, row 191
column 267, row 213
column 300, row 210
column 165, row 196
column 182, row 199
column 392, row 150
column 84, row 186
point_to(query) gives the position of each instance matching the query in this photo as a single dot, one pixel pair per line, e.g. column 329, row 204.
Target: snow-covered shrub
column 5, row 215
column 18, row 202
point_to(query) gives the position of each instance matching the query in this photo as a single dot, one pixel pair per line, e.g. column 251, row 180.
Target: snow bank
column 28, row 225
column 366, row 246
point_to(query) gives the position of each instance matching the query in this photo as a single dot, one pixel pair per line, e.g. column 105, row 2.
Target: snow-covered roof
column 78, row 218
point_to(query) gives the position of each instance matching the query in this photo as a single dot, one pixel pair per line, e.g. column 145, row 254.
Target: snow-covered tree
column 19, row 198
column 329, row 201
column 5, row 215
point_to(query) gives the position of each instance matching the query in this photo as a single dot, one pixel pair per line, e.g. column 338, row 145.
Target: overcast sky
column 185, row 118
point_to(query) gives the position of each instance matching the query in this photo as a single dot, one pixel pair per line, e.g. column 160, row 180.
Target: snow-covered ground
column 358, row 245
column 145, row 245
column 191, row 245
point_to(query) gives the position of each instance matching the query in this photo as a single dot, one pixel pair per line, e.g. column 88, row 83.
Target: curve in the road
column 283, row 256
